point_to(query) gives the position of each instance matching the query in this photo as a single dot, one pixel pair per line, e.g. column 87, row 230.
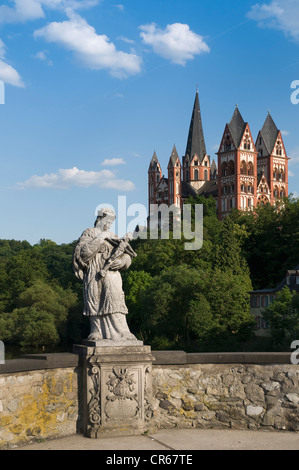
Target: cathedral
column 248, row 172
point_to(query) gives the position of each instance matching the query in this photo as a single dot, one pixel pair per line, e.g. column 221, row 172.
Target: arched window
column 282, row 193
column 231, row 167
column 196, row 162
column 250, row 168
column 243, row 168
column 196, row 175
column 224, row 169
column 227, row 143
column 206, row 175
column 275, row 191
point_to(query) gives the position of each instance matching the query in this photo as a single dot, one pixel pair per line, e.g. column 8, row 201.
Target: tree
column 40, row 317
column 283, row 318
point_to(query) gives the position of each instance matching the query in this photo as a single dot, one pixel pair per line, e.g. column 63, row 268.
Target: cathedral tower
column 237, row 167
column 196, row 162
column 272, row 164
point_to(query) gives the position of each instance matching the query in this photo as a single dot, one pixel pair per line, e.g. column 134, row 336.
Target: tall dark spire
column 269, row 133
column 196, row 142
column 237, row 127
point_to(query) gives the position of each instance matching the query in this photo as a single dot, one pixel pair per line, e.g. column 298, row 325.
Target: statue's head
column 105, row 218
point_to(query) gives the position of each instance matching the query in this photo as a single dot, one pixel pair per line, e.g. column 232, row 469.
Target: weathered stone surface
column 293, row 397
column 37, row 404
column 254, row 410
column 240, row 397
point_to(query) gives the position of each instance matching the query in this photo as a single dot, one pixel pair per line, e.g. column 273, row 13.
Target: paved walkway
column 179, row 439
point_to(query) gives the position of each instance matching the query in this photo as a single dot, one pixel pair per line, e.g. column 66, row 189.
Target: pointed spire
column 196, row 142
column 237, row 127
column 269, row 133
column 154, row 162
column 174, row 156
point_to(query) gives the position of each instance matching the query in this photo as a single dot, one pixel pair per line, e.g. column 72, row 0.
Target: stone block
column 117, row 390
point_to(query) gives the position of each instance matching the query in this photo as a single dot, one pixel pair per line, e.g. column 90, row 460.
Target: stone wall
column 40, row 395
column 37, row 404
column 237, row 396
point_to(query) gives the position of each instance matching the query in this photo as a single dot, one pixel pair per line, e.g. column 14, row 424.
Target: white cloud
column 120, row 7
column 176, row 42
column 23, row 10
column 113, row 162
column 7, row 73
column 30, row 10
column 127, row 40
column 67, row 178
column 285, row 133
column 279, row 14
column 42, row 55
column 92, row 50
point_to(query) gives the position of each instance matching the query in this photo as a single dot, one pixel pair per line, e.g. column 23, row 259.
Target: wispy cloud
column 92, row 50
column 43, row 56
column 73, row 177
column 279, row 14
column 113, row 162
column 120, row 7
column 30, row 10
column 8, row 74
column 176, row 42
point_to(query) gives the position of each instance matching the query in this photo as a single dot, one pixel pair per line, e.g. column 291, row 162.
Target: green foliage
column 272, row 243
column 196, row 300
column 283, row 318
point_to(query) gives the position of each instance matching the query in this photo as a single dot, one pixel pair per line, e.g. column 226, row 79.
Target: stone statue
column 98, row 257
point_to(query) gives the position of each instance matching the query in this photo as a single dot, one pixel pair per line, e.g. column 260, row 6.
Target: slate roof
column 196, row 142
column 174, row 156
column 293, row 286
column 209, row 187
column 269, row 133
column 154, row 162
column 237, row 127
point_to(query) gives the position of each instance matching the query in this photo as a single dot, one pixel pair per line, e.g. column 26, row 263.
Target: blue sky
column 94, row 87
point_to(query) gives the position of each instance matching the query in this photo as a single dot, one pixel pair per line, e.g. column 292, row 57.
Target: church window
column 260, row 152
column 196, row 162
column 231, row 168
column 205, row 175
column 243, row 168
column 158, row 178
column 196, row 175
column 250, row 168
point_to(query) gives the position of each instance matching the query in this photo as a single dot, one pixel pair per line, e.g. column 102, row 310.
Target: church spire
column 196, row 142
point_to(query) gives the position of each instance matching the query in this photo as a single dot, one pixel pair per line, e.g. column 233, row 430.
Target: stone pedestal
column 117, row 387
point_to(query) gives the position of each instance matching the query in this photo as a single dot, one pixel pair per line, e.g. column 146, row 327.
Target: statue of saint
column 98, row 257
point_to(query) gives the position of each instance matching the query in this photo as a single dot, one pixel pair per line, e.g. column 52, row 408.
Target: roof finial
column 196, row 87
column 237, row 105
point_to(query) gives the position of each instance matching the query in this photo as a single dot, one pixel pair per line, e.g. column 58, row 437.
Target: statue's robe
column 103, row 296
